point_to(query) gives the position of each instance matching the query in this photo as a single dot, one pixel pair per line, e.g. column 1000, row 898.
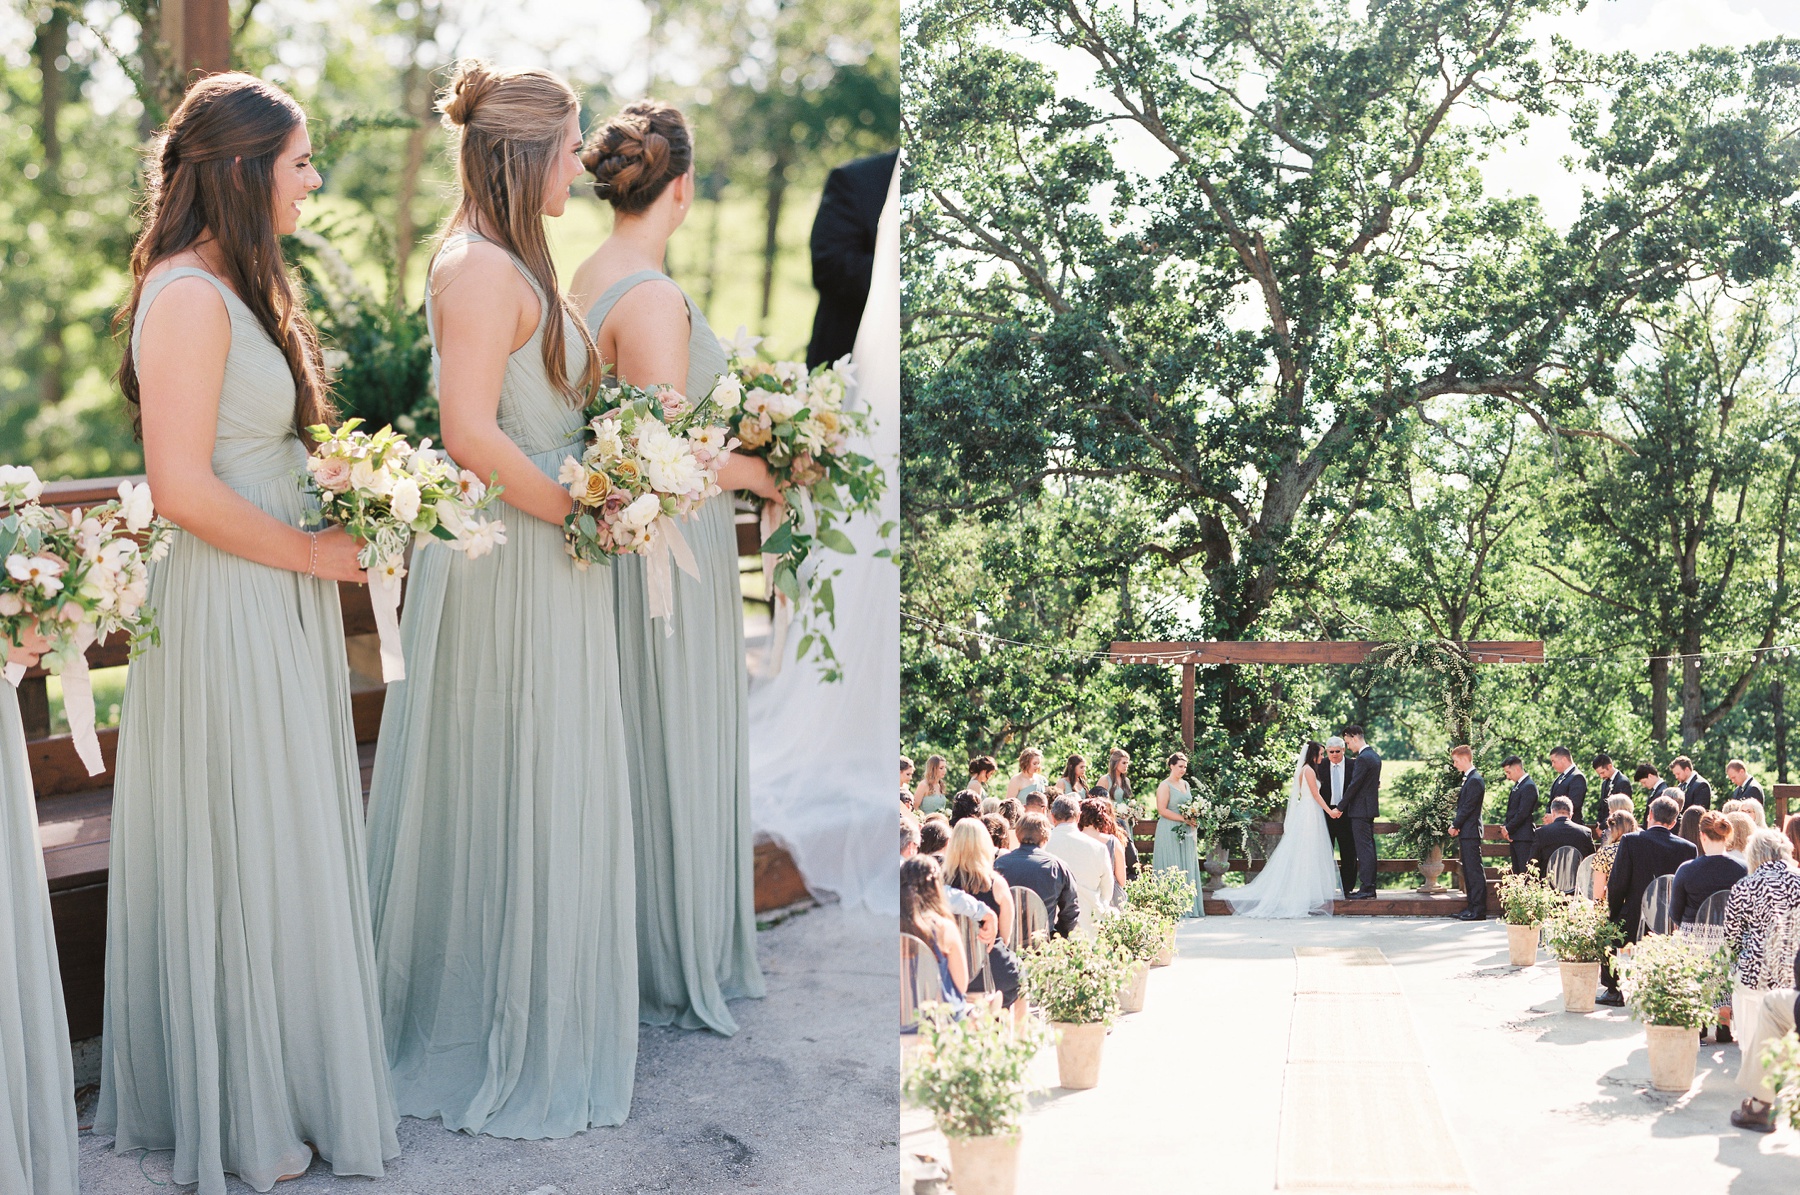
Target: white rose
column 729, row 393
column 642, row 512
column 404, row 499
column 138, row 509
column 10, row 604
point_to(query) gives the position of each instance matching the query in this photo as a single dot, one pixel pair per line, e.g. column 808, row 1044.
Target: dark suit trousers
column 1345, row 841
column 1362, row 832
column 1521, row 855
column 1475, row 874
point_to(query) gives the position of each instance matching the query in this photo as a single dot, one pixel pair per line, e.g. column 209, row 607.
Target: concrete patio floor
column 803, row 1101
column 1191, row 1092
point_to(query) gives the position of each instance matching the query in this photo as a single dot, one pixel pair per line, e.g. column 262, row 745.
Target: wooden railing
column 75, row 809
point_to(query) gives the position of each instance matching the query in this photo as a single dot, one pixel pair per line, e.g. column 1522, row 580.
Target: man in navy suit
column 1362, row 802
column 1569, row 781
column 1744, row 786
column 1695, row 788
column 1651, row 852
column 1558, row 832
column 1467, row 828
column 1521, row 813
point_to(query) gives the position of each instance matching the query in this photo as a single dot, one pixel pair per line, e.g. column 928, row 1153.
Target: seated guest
column 1695, row 788
column 1096, row 821
column 1754, row 809
column 981, row 770
column 1743, row 785
column 1012, row 809
column 1122, row 827
column 1649, row 779
column 990, row 805
column 1776, row 1014
column 1757, row 916
column 1560, row 831
column 1712, row 872
column 1619, row 823
column 1742, row 827
column 969, row 867
column 934, row 835
column 930, row 794
column 965, row 804
column 1029, row 865
column 925, row 915
column 960, row 904
column 1000, row 832
column 1642, row 857
column 1689, row 826
column 1520, row 827
column 1036, row 802
column 1086, row 860
column 909, row 835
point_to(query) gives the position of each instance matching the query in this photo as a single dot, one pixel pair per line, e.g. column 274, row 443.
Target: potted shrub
column 1525, row 903
column 1426, row 807
column 1580, row 934
column 1169, row 894
column 1675, row 987
column 1139, row 936
column 1781, row 1069
column 970, row 1074
column 1076, row 984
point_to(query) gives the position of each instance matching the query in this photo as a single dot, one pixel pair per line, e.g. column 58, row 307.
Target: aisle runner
column 1358, row 1112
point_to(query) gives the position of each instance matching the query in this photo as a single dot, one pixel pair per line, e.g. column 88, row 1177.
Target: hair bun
column 637, row 153
column 473, row 82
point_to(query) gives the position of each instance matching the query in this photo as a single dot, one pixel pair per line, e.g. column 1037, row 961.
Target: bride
column 1300, row 876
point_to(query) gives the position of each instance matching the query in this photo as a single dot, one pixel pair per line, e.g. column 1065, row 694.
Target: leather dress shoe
column 1471, row 915
column 1611, row 998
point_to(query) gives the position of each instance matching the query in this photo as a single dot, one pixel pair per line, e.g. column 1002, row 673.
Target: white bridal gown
column 1300, row 877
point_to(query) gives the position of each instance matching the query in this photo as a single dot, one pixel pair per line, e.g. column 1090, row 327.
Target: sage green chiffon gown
column 242, row 1019
column 37, row 1085
column 500, row 821
column 686, row 726
column 1181, row 853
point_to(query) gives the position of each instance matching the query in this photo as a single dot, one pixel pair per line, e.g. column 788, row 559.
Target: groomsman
column 1334, row 781
column 1612, row 783
column 1569, row 781
column 1694, row 787
column 1650, row 780
column 1467, row 828
column 1744, row 786
column 1521, row 813
column 1362, row 803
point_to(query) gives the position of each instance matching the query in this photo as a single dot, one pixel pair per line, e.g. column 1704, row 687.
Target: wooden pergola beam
column 1492, row 651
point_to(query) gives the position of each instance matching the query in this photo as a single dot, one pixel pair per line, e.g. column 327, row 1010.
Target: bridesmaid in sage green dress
column 499, row 815
column 37, row 1084
column 242, row 1019
column 1173, row 850
column 687, row 723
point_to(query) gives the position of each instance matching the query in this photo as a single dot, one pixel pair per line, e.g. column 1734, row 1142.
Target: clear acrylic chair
column 1030, row 920
column 1584, row 879
column 919, row 981
column 981, row 973
column 1656, row 912
column 1563, row 869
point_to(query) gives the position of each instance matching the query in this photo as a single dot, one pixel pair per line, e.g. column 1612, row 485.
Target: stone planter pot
column 1430, row 869
column 1580, row 981
column 984, row 1165
column 1216, row 865
column 1077, row 1055
column 1131, row 997
column 1522, row 944
column 1673, row 1052
column 1167, row 954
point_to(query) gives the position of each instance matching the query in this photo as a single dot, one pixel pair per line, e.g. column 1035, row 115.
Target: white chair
column 919, row 980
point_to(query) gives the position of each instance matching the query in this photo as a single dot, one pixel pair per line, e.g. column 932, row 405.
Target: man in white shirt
column 1087, row 860
column 1334, row 782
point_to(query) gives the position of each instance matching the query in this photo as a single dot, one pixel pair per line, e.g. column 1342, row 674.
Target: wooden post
column 198, row 33
column 1187, row 706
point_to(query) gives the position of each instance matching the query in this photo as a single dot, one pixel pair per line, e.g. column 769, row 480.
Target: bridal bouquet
column 1199, row 811
column 77, row 576
column 648, row 460
column 795, row 420
column 385, row 492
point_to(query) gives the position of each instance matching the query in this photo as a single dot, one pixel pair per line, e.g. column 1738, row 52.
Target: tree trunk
column 52, row 44
column 1777, row 699
column 1659, row 698
column 1690, row 700
column 777, row 191
column 415, row 101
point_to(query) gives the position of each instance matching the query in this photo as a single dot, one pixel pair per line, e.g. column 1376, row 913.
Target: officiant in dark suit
column 1559, row 831
column 843, row 251
column 1362, row 803
column 1334, row 773
column 1651, row 852
column 1696, row 790
column 1743, row 785
column 1521, row 813
column 1569, row 781
column 1467, row 828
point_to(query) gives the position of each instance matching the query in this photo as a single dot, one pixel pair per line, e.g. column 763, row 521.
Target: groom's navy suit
column 1362, row 802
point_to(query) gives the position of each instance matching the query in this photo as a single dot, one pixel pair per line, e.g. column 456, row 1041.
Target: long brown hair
column 507, row 128
column 921, row 892
column 213, row 171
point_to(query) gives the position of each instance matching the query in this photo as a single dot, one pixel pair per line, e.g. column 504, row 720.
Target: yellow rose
column 755, row 433
column 826, row 419
column 594, row 489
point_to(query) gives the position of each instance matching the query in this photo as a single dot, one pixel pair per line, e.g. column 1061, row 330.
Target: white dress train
column 1301, row 877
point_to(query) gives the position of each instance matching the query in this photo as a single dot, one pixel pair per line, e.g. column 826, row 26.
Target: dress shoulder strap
column 609, row 298
column 155, row 287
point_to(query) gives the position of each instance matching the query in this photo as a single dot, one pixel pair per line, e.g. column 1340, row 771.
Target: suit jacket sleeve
column 1521, row 808
column 1068, row 903
column 1578, row 792
column 843, row 240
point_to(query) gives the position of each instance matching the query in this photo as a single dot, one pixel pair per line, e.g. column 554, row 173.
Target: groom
column 1362, row 800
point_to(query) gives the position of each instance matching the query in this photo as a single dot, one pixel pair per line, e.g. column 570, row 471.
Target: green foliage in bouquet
column 1137, row 934
column 1525, row 899
column 1579, row 931
column 1425, row 809
column 1075, row 981
column 1781, row 1067
column 1668, row 980
column 972, row 1073
column 1168, row 893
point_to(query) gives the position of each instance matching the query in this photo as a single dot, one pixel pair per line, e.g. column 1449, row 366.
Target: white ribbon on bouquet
column 78, row 699
column 659, row 581
column 384, row 598
column 781, row 611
